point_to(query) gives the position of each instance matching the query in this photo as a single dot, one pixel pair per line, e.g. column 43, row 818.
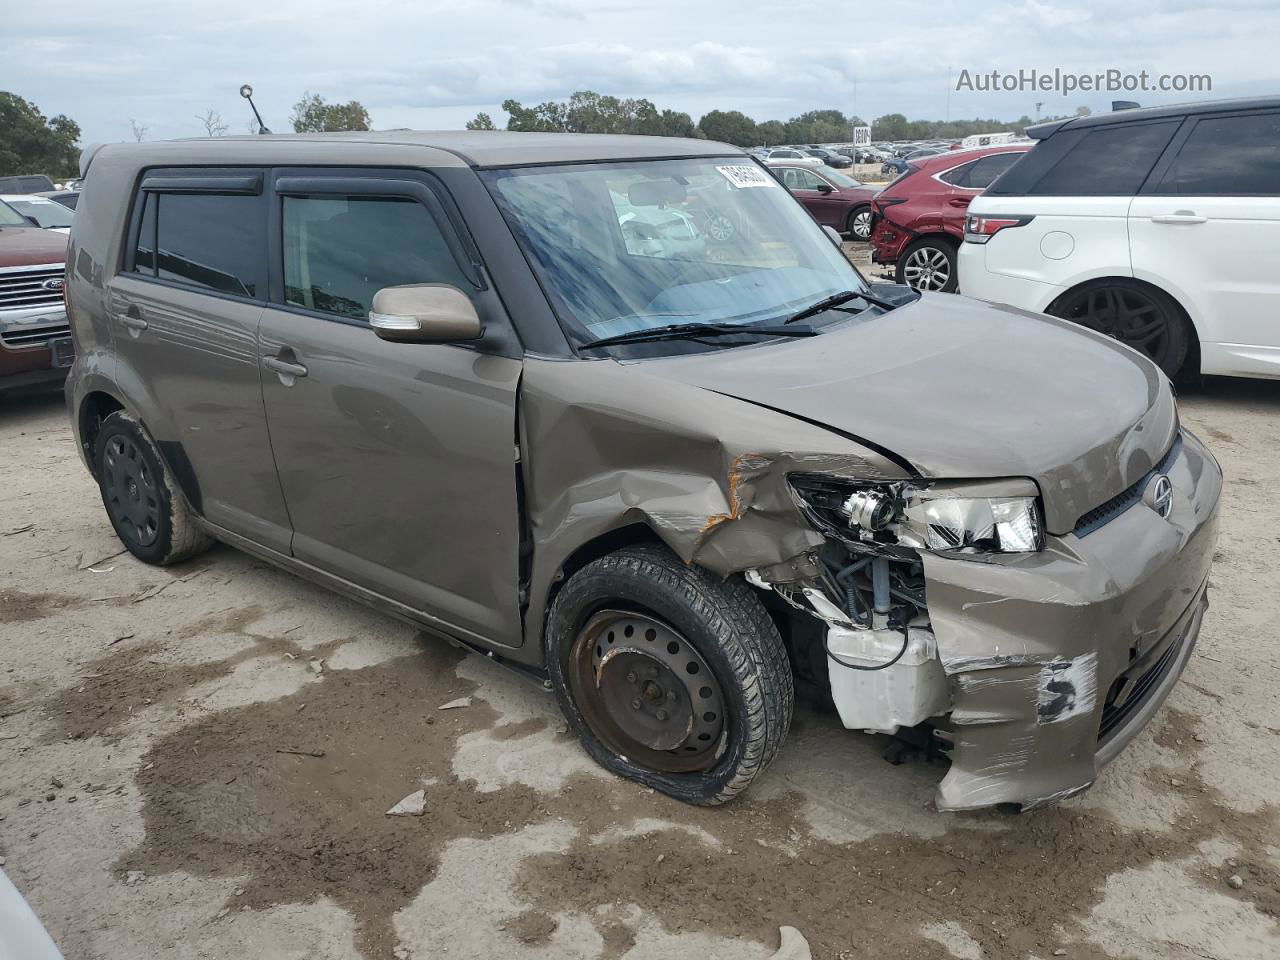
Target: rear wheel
column 859, row 225
column 929, row 264
column 1139, row 316
column 145, row 506
column 668, row 675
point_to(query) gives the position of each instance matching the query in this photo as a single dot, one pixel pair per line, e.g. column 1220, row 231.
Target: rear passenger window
column 1108, row 161
column 1228, row 156
column 340, row 251
column 958, row 176
column 985, row 170
column 208, row 240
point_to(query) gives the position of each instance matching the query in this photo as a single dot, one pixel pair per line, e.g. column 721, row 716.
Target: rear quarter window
column 1107, row 161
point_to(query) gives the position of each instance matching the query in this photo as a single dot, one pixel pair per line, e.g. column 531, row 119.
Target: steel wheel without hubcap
column 646, row 693
column 860, row 224
column 131, row 492
column 927, row 268
column 1130, row 315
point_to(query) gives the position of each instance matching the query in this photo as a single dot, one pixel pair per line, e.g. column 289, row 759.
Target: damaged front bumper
column 1058, row 659
column 1038, row 668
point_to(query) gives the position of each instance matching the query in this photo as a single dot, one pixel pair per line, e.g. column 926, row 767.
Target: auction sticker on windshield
column 745, row 175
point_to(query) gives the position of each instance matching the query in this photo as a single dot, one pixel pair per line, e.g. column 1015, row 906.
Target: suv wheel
column 929, row 264
column 1142, row 317
column 145, row 506
column 668, row 675
column 859, row 226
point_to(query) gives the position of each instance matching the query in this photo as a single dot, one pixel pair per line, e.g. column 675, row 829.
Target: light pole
column 246, row 91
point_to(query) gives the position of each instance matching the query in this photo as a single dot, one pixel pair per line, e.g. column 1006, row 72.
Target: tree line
column 591, row 112
column 33, row 143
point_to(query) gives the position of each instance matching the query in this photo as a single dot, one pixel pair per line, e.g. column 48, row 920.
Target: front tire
column 668, row 675
column 929, row 264
column 147, row 510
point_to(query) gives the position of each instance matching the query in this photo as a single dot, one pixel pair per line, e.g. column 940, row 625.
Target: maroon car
column 917, row 221
column 833, row 198
column 35, row 340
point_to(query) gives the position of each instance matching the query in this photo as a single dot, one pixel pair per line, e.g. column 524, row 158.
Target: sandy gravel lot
column 197, row 762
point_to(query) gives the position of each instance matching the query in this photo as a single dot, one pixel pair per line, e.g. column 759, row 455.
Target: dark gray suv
column 508, row 388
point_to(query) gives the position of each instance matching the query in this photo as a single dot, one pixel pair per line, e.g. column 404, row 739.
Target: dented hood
column 961, row 389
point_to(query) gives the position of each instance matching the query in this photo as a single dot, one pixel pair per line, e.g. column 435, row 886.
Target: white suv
column 1159, row 227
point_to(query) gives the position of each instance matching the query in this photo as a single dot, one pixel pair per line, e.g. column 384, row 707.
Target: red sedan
column 832, row 198
column 917, row 221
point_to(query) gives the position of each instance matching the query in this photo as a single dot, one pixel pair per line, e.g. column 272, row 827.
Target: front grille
column 1104, row 513
column 31, row 336
column 26, row 288
column 1113, row 716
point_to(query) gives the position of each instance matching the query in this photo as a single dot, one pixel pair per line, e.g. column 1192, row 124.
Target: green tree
column 312, row 114
column 674, row 123
column 548, row 117
column 30, row 143
column 482, row 121
column 771, row 132
column 729, row 126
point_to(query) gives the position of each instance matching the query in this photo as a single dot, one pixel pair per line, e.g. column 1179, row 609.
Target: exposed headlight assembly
column 1000, row 516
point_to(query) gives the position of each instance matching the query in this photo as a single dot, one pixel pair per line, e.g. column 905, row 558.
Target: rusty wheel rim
column 647, row 693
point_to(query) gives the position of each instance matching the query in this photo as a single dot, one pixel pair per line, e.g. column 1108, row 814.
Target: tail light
column 980, row 229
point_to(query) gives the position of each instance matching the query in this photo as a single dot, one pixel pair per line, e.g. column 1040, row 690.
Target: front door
column 397, row 460
column 1207, row 230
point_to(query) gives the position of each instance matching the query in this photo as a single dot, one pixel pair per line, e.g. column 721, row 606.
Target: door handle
column 960, row 201
column 133, row 318
column 1181, row 216
column 283, row 367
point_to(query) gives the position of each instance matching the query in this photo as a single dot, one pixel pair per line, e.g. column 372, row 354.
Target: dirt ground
column 197, row 762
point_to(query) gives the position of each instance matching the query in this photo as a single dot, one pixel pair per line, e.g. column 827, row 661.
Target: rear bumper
column 976, row 281
column 1057, row 660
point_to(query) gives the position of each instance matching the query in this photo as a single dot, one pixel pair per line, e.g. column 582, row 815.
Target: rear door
column 184, row 316
column 397, row 460
column 806, row 186
column 1207, row 230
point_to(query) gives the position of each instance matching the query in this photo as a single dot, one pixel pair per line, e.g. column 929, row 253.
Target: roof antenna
column 246, row 91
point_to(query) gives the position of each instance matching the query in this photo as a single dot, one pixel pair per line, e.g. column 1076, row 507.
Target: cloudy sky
column 433, row 65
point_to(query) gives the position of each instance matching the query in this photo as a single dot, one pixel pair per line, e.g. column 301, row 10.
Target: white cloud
column 436, row 63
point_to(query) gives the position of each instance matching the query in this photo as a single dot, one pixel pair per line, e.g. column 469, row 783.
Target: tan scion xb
column 618, row 413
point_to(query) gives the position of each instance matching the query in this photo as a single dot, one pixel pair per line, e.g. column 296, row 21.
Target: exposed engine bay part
column 910, row 691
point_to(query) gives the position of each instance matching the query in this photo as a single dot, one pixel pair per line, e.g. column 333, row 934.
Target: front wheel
column 668, row 675
column 929, row 264
column 859, row 225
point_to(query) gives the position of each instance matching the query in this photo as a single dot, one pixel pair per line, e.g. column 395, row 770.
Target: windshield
column 629, row 246
column 10, row 217
column 44, row 212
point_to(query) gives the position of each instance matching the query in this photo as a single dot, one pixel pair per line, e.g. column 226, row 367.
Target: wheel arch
column 1191, row 364
column 95, row 406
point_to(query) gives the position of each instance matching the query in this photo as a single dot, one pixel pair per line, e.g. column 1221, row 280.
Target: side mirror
column 834, row 236
column 424, row 313
column 824, row 188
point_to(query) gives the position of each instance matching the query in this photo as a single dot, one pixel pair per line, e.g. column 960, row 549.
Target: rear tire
column 929, row 264
column 638, row 631
column 859, row 224
column 146, row 508
column 1139, row 316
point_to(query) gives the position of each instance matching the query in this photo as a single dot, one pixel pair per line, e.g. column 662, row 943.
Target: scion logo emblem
column 1159, row 495
column 53, row 283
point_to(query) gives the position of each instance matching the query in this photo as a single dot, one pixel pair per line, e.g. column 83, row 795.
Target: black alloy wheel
column 1139, row 316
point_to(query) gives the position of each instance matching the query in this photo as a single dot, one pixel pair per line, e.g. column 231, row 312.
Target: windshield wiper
column 835, row 302
column 694, row 331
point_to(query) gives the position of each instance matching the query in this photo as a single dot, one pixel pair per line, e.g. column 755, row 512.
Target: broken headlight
column 970, row 517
